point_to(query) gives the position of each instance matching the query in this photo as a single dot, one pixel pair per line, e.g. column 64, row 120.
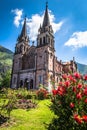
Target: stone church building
column 35, row 65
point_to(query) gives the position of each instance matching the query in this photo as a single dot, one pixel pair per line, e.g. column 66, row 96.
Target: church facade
column 35, row 65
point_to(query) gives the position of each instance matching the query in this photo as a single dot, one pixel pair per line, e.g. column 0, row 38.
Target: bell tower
column 45, row 32
column 22, row 40
column 45, row 51
column 21, row 48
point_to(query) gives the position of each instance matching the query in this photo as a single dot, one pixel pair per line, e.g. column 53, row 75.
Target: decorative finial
column 46, row 4
column 32, row 43
column 73, row 59
column 40, row 26
column 25, row 17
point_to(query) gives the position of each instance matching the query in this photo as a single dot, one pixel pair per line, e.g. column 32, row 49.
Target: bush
column 5, row 81
column 69, row 103
column 25, row 94
column 42, row 94
column 49, row 96
column 6, row 106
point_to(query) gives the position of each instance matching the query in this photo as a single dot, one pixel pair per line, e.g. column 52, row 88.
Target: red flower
column 67, row 84
column 85, row 100
column 72, row 105
column 61, row 90
column 85, row 91
column 61, row 83
column 84, row 118
column 77, row 75
column 79, row 95
column 54, row 92
column 64, row 76
column 85, row 77
column 74, row 80
column 78, row 119
column 70, row 77
column 74, row 89
column 79, row 86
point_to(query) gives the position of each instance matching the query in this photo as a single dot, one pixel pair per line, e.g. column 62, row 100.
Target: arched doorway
column 26, row 83
column 21, row 83
column 31, row 84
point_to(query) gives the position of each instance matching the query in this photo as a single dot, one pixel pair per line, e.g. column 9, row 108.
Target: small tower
column 20, row 49
column 45, row 51
column 45, row 32
column 22, row 41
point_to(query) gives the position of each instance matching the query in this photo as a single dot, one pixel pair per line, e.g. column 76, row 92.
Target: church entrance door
column 26, row 82
column 31, row 84
column 21, row 83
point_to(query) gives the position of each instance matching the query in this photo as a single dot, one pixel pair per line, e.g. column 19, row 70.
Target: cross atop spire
column 46, row 21
column 46, row 4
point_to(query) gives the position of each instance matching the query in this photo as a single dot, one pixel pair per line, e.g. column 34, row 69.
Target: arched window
column 14, row 80
column 24, row 48
column 31, row 84
column 40, row 79
column 21, row 83
column 40, row 41
column 43, row 40
column 57, row 79
column 49, row 40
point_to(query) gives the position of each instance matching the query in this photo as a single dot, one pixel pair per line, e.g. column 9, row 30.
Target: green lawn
column 34, row 119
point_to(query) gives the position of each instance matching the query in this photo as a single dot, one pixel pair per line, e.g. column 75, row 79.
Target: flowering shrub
column 69, row 103
column 41, row 93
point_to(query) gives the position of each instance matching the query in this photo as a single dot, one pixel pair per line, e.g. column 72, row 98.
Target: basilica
column 37, row 64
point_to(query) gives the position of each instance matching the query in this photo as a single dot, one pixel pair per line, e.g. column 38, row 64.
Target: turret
column 45, row 32
column 22, row 40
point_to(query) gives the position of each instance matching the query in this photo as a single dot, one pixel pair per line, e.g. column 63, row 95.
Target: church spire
column 23, row 35
column 22, row 44
column 24, row 29
column 46, row 21
column 45, row 32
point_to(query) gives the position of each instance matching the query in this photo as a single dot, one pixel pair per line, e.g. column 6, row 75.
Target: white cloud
column 33, row 25
column 18, row 16
column 77, row 40
column 35, row 21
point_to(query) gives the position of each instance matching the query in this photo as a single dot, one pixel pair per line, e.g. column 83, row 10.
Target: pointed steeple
column 46, row 21
column 45, row 32
column 22, row 44
column 24, row 29
column 23, row 35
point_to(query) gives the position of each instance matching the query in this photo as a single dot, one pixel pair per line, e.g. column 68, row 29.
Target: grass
column 34, row 119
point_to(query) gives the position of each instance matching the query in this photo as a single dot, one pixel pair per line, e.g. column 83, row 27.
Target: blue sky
column 68, row 18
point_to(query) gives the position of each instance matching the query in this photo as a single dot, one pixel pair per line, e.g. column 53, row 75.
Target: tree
column 6, row 77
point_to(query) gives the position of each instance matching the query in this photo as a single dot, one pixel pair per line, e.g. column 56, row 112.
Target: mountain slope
column 82, row 68
column 6, row 57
